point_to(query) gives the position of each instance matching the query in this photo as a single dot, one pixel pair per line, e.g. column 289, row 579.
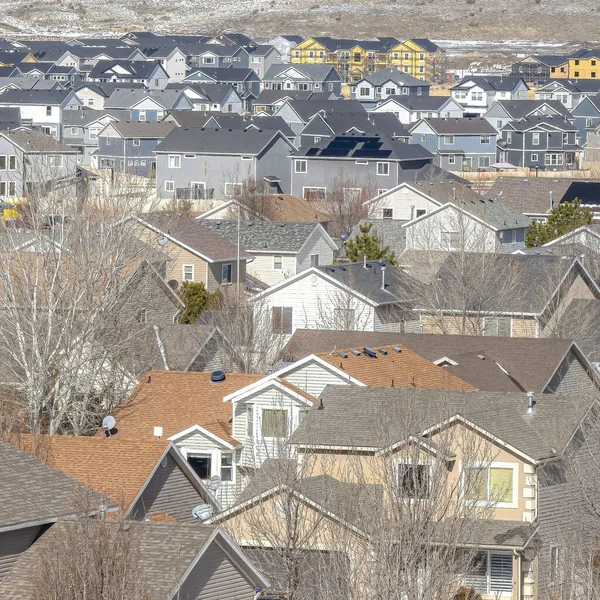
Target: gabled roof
column 309, row 72
column 32, row 493
column 189, row 234
column 352, row 418
column 36, row 141
column 268, row 236
column 396, row 76
column 135, row 69
column 86, row 116
column 177, row 401
column 225, row 74
column 128, row 97
column 268, row 97
column 498, row 83
column 34, row 96
column 546, row 123
column 519, row 109
column 150, row 130
column 306, row 109
column 464, row 126
column 219, row 141
column 420, row 103
column 572, row 85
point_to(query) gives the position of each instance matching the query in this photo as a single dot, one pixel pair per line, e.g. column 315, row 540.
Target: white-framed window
column 226, row 466
column 174, row 161
column 2, row 188
column 282, row 319
column 317, row 139
column 142, row 115
column 314, row 260
column 491, row 573
column 493, row 483
column 449, row 140
column 169, row 186
column 383, row 168
column 483, row 162
column 48, row 111
column 278, row 262
column 12, row 188
column 90, row 102
column 412, row 480
column 302, row 414
column 535, row 139
column 74, row 130
column 450, row 240
column 554, row 564
column 485, row 139
column 553, row 159
column 509, row 137
column 274, row 423
column 250, row 420
column 231, row 189
column 390, row 91
column 419, row 212
column 405, row 91
column 565, row 138
column 423, row 138
column 54, row 160
column 534, row 158
column 3, row 162
column 364, row 91
column 227, row 273
column 314, row 193
column 452, row 160
column 300, row 166
column 388, row 213
column 187, row 272
column 136, row 142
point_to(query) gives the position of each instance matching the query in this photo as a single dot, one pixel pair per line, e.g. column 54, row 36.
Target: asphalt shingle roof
column 394, row 74
column 310, row 72
column 36, row 141
column 499, row 83
column 33, row 96
column 465, row 126
column 127, row 97
column 152, row 130
column 139, row 69
column 518, row 109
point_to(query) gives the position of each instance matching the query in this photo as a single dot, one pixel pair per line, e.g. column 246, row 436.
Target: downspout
column 519, row 557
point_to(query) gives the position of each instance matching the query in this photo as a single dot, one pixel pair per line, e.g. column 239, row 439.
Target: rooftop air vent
column 383, row 351
column 396, row 349
column 369, row 352
column 342, row 355
column 356, row 352
column 217, row 376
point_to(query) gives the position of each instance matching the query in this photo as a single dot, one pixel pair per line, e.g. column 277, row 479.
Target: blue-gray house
column 128, row 146
column 458, row 144
column 146, row 105
column 586, row 117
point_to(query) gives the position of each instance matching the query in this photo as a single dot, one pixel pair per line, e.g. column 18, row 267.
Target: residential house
column 410, row 109
column 385, row 83
column 211, row 97
column 537, row 196
column 458, row 144
column 367, row 296
column 142, row 105
column 355, row 162
column 217, row 55
column 554, row 365
column 284, row 44
column 80, row 129
column 41, row 108
column 270, row 100
column 568, row 91
column 128, row 146
column 95, row 95
column 504, row 111
column 538, row 69
column 540, row 142
column 195, row 560
column 421, row 58
column 10, row 118
column 197, row 254
column 145, row 477
column 14, row 57
column 150, row 73
column 51, row 72
column 586, row 117
column 304, row 78
column 262, row 57
column 84, row 58
column 477, row 94
column 172, row 59
column 188, row 410
column 32, row 163
column 297, row 113
column 280, row 249
column 21, row 520
column 445, row 215
column 214, row 163
column 584, row 64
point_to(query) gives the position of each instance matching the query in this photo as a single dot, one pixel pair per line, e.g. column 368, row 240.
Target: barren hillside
column 438, row 19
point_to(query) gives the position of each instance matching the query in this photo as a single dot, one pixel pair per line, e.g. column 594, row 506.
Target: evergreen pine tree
column 369, row 244
column 562, row 219
column 196, row 298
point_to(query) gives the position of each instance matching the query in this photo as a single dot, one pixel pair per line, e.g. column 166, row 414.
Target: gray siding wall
column 170, row 492
column 215, row 272
column 316, row 245
column 571, row 377
column 215, row 577
column 275, row 161
column 12, row 545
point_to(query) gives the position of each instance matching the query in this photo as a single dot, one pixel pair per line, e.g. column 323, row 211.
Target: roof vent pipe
column 530, row 403
column 364, row 261
column 551, row 201
column 383, row 278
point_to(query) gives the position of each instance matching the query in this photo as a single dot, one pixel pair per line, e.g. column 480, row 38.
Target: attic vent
column 445, row 362
column 217, row 376
column 397, row 349
column 369, row 352
column 356, row 352
column 383, row 351
column 342, row 355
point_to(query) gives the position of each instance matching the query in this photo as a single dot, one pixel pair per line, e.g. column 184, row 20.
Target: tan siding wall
column 524, row 327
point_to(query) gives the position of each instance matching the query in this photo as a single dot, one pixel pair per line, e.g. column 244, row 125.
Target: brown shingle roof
column 288, row 208
column 477, row 356
column 115, row 467
column 401, row 369
column 177, row 400
column 192, row 234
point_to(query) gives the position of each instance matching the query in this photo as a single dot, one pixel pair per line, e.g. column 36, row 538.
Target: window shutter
column 500, row 572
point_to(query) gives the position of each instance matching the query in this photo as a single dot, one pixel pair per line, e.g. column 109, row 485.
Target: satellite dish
column 214, row 483
column 161, row 241
column 202, row 511
column 108, row 423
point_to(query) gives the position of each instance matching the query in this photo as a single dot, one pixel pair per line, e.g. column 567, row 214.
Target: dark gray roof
column 226, row 74
column 152, row 130
column 192, row 118
column 363, row 417
column 32, row 492
column 311, row 72
column 140, row 69
column 215, row 92
column 267, row 97
column 264, row 236
column 368, row 281
column 306, row 109
column 383, row 124
column 419, row 103
column 127, row 97
column 499, row 83
column 548, row 123
column 180, row 345
column 394, row 74
column 390, row 231
column 477, row 357
column 10, row 117
column 106, row 88
column 36, row 141
column 33, row 96
column 464, row 126
column 217, row 141
column 85, row 116
column 519, row 109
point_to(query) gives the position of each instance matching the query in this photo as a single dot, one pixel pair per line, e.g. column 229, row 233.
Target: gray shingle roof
column 217, row 141
column 422, row 103
column 215, row 92
column 30, row 491
column 127, row 97
column 548, row 123
column 500, row 83
column 311, row 72
column 140, row 69
column 359, row 417
column 477, row 357
column 518, row 109
column 85, row 116
column 264, row 236
column 464, row 126
column 394, row 74
column 144, row 129
column 33, row 96
column 306, row 109
column 36, row 141
column 226, row 74
column 271, row 96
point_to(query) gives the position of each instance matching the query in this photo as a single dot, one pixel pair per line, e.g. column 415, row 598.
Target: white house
column 410, row 109
column 477, row 94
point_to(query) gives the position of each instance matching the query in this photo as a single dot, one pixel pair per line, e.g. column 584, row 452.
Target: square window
column 136, row 142
column 169, row 186
column 188, row 272
column 274, row 423
column 201, row 464
column 420, row 212
column 226, row 274
column 452, row 160
column 485, row 139
column 449, row 140
column 534, row 158
column 388, row 213
column 491, row 483
column 383, row 168
column 233, row 189
column 174, row 161
column 413, row 481
column 483, row 162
